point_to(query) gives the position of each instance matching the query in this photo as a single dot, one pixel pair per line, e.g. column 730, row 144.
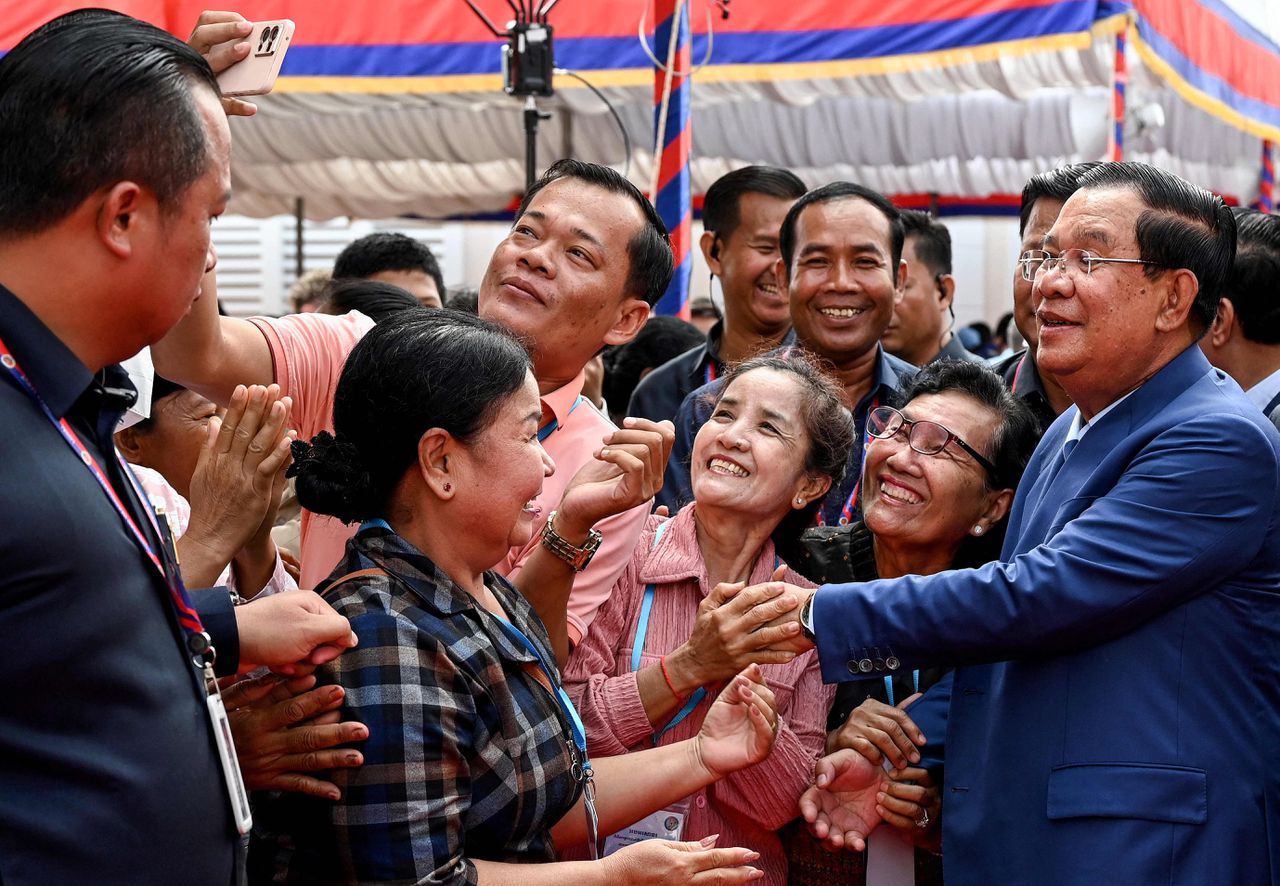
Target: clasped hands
column 854, row 790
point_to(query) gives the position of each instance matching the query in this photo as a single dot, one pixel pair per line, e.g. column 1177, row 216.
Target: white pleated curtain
column 969, row 130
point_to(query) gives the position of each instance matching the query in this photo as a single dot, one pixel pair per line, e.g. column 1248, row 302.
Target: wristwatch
column 806, row 619
column 576, row 557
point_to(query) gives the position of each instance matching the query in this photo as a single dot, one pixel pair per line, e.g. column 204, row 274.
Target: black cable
column 626, row 137
column 484, row 18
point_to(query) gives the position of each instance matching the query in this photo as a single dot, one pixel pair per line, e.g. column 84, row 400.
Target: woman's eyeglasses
column 925, row 437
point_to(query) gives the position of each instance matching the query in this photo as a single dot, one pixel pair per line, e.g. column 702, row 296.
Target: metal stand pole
column 531, row 117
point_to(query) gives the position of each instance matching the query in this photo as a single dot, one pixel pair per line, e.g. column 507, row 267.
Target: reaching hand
column 220, row 38
column 876, row 730
column 841, row 805
column 731, row 631
column 280, row 737
column 740, row 728
column 795, row 641
column 625, row 473
column 912, row 803
column 660, row 862
column 290, row 632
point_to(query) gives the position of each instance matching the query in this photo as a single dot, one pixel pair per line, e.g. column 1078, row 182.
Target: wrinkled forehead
column 959, row 413
column 610, row 218
column 767, row 389
column 1103, row 220
column 843, row 221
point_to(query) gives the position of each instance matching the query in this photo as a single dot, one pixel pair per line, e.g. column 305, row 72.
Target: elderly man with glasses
column 1117, row 702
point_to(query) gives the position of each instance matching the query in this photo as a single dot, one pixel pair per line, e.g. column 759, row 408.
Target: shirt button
column 700, row 802
column 853, row 666
column 865, row 666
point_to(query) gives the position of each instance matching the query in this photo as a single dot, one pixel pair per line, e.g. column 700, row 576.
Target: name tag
column 236, row 793
column 665, row 824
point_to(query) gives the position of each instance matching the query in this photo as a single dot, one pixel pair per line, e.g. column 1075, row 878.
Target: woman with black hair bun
column 476, row 759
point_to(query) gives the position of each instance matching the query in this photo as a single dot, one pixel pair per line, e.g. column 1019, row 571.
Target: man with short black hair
column 1042, row 199
column 840, row 263
column 584, row 262
column 114, row 161
column 395, row 258
column 1244, row 340
column 741, row 216
column 1143, row 552
column 921, row 329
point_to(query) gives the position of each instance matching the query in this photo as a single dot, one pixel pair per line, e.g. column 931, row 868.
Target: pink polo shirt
column 747, row 807
column 308, row 352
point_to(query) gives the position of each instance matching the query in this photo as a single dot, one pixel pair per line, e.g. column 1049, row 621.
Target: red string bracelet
column 662, row 662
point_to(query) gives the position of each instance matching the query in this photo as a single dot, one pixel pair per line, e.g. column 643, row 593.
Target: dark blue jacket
column 1117, row 713
column 108, row 771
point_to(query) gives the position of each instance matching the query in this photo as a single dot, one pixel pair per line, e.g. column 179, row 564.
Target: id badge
column 665, row 824
column 227, row 755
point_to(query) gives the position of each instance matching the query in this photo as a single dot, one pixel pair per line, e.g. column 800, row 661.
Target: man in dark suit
column 1116, row 711
column 1244, row 341
column 114, row 160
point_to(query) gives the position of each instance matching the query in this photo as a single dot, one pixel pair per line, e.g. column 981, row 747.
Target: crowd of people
column 520, row 583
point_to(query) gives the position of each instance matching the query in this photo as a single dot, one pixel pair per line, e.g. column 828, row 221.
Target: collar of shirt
column 560, row 402
column 954, row 350
column 711, row 350
column 53, row 369
column 1265, row 391
column 678, row 558
column 890, row 376
column 1020, row 368
column 436, row 590
column 1079, row 427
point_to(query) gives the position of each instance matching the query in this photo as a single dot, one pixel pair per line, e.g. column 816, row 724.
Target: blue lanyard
column 637, row 649
column 554, row 425
column 579, row 737
column 888, row 685
column 562, row 697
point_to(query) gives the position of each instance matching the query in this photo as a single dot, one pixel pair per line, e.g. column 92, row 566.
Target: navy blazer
column 1117, row 716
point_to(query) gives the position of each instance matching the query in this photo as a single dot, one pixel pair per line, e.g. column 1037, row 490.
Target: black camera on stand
column 528, row 59
column 527, row 64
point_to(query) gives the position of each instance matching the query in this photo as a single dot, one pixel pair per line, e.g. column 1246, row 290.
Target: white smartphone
column 256, row 73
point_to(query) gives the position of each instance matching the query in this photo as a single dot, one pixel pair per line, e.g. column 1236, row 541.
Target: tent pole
column 1120, row 83
column 1267, row 178
column 299, row 246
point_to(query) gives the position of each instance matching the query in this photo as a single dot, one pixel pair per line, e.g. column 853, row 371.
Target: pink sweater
column 745, row 808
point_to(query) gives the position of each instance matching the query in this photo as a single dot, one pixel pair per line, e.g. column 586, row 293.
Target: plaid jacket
column 467, row 755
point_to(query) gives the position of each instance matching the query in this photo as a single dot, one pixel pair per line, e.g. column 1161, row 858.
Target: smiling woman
column 939, row 479
column 676, row 626
column 475, row 759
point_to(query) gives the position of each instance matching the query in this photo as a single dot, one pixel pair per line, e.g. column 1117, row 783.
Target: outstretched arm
column 211, row 354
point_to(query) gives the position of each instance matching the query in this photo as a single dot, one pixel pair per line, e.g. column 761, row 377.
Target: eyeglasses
column 925, row 437
column 1073, row 261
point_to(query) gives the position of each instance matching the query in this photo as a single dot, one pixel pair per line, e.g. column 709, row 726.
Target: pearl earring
column 799, row 501
column 977, row 529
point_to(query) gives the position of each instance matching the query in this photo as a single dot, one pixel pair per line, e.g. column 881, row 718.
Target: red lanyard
column 188, row 618
column 1017, row 373
column 846, row 513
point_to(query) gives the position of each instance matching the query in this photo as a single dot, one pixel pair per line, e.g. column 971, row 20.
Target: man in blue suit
column 1116, row 713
